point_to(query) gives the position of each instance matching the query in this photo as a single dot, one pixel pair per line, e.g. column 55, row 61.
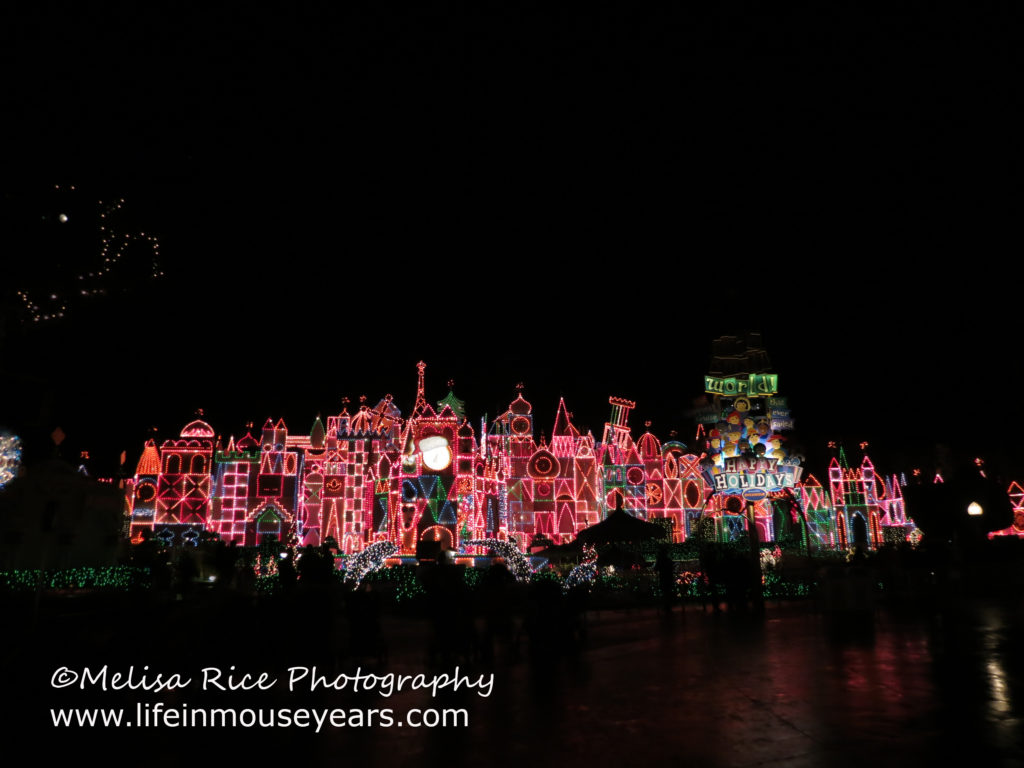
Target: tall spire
column 149, row 462
column 563, row 422
column 842, row 458
column 421, row 406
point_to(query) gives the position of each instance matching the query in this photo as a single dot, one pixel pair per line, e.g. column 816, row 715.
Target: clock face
column 145, row 492
column 437, row 454
column 520, row 425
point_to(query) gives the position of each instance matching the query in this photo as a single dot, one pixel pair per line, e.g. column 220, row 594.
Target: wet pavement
column 796, row 687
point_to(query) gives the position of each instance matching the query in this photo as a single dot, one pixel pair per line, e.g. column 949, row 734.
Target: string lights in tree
column 517, row 564
column 10, row 458
column 585, row 573
column 123, row 258
column 369, row 560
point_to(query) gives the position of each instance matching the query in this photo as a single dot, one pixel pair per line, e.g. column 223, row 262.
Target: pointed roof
column 585, row 447
column 247, row 443
column 520, row 406
column 451, row 401
column 563, row 423
column 149, row 462
column 610, row 454
column 386, row 407
column 894, row 487
column 317, row 434
column 424, row 411
column 1015, row 489
column 632, row 457
column 421, row 406
column 649, row 446
column 231, row 445
column 620, row 526
column 842, row 458
column 565, row 522
column 361, row 422
column 406, row 436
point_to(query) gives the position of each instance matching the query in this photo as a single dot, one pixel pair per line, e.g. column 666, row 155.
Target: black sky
column 578, row 199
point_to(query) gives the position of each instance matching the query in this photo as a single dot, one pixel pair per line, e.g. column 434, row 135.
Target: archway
column 860, row 529
column 440, row 534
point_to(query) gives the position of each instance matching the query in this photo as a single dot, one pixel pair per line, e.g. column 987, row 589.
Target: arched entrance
column 860, row 529
column 439, row 534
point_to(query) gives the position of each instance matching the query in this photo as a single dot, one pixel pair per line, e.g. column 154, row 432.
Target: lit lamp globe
column 974, row 509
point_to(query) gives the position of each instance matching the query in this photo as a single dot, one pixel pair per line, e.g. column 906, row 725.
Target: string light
column 10, row 458
column 585, row 572
column 1016, row 528
column 369, row 560
column 375, row 477
column 517, row 564
column 115, row 244
column 109, row 578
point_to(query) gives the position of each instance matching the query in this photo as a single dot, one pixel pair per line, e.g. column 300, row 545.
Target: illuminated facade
column 1016, row 528
column 374, row 476
column 864, row 504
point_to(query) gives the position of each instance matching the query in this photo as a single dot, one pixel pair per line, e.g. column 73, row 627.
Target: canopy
column 620, row 526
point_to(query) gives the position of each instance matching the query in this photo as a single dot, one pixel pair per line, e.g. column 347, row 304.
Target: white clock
column 437, row 454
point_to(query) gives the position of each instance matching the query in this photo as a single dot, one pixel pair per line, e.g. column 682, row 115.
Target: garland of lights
column 114, row 577
column 585, row 572
column 403, row 579
column 501, row 488
column 517, row 564
column 113, row 244
column 369, row 560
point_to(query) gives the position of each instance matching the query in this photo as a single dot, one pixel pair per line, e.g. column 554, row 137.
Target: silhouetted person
column 188, row 572
column 711, row 565
column 546, row 621
column 287, row 575
column 454, row 635
column 496, row 589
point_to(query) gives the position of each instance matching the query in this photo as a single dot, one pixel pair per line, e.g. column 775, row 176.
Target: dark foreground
column 800, row 686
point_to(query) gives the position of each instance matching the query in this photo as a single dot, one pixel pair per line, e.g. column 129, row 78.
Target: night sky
column 580, row 200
